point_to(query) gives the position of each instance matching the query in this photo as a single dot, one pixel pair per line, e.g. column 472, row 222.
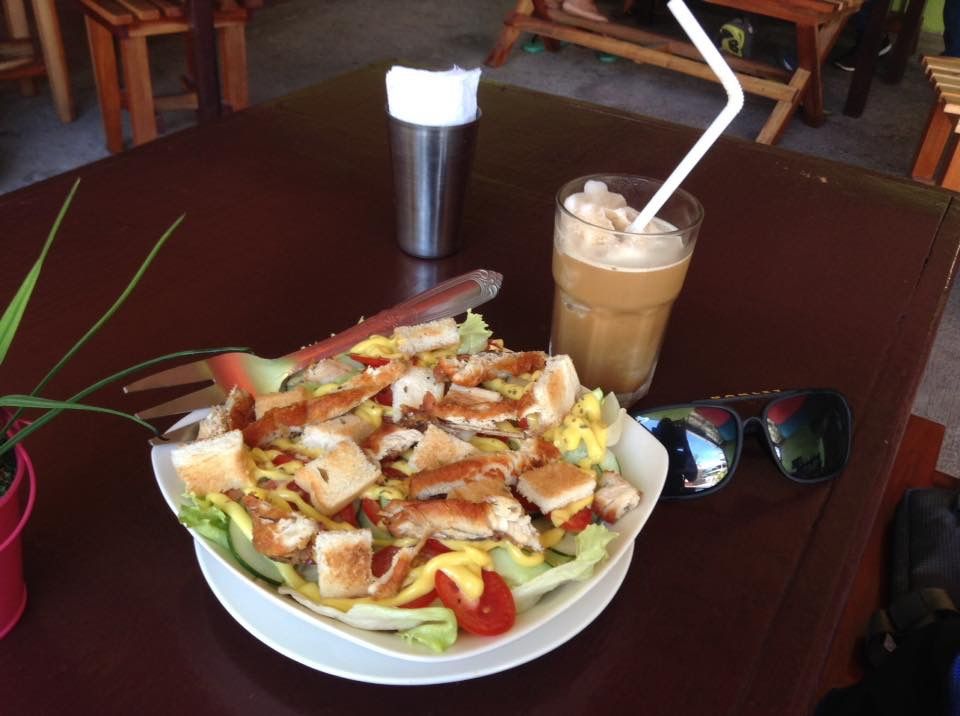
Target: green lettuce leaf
column 591, row 549
column 207, row 519
column 474, row 333
column 433, row 627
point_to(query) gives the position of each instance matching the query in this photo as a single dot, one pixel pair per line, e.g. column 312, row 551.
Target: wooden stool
column 818, row 24
column 129, row 23
column 944, row 72
column 20, row 61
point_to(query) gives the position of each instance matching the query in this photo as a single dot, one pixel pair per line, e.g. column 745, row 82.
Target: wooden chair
column 126, row 24
column 938, row 158
column 818, row 24
column 20, row 61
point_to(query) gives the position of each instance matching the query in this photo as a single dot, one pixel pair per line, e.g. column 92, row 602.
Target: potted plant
column 17, row 478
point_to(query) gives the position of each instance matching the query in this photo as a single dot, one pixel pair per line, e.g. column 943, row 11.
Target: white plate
column 643, row 461
column 283, row 632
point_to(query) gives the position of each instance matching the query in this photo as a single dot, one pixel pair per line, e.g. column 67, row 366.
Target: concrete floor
column 296, row 43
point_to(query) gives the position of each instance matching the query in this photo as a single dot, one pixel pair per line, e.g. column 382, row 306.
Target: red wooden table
column 807, row 273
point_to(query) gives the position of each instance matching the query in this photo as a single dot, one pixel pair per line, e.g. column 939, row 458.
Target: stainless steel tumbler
column 431, row 169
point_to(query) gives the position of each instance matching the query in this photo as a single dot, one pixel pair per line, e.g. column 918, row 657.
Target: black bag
column 913, row 648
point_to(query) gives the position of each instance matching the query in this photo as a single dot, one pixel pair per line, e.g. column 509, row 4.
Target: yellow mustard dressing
column 377, row 347
column 559, row 516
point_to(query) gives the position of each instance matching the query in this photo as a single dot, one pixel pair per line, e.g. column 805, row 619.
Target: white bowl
column 643, row 461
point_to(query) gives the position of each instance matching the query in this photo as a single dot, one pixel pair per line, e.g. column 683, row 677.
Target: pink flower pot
column 15, row 510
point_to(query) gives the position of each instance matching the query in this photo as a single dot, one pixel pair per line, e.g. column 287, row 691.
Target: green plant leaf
column 55, row 411
column 32, row 401
column 113, row 309
column 10, row 320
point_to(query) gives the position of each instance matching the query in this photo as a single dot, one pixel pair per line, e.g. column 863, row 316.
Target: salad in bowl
column 426, row 484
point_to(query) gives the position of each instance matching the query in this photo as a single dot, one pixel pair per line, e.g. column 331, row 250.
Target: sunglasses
column 806, row 431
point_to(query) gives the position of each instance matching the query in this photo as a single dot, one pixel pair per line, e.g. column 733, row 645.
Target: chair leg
column 104, row 60
column 508, row 35
column 951, row 178
column 54, row 57
column 18, row 28
column 808, row 57
column 934, row 142
column 136, row 77
column 233, row 65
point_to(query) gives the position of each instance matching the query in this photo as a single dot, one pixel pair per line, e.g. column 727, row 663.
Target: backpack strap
column 908, row 613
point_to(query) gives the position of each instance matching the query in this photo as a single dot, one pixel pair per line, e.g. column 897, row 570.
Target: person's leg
column 584, row 8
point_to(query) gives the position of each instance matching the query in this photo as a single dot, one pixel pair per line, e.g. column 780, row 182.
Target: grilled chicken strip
column 278, row 422
column 614, row 498
column 459, row 519
column 488, row 365
column 280, row 534
column 503, row 465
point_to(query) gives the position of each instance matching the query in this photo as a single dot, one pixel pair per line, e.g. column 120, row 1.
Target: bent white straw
column 734, row 104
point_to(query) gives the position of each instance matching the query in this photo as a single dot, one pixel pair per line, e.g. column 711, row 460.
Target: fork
column 265, row 375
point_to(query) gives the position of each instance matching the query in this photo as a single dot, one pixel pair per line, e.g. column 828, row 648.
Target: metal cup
column 431, row 169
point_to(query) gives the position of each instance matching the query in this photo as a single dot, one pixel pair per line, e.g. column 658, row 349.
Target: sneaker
column 848, row 62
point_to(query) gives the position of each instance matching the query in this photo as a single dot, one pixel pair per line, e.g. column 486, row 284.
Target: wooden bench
column 818, row 24
column 128, row 24
column 938, row 158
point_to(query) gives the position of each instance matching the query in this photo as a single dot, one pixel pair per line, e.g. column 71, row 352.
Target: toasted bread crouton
column 427, row 336
column 556, row 485
column 553, row 394
column 615, row 497
column 389, row 440
column 343, row 562
column 411, row 387
column 438, row 448
column 215, row 464
column 325, row 435
column 337, row 478
column 269, row 401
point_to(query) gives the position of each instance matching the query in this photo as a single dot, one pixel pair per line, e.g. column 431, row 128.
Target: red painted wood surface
column 808, row 273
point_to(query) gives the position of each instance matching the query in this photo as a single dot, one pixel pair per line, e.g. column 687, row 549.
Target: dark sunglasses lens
column 701, row 442
column 810, row 434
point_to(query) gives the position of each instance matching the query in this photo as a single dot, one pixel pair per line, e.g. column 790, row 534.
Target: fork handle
column 449, row 298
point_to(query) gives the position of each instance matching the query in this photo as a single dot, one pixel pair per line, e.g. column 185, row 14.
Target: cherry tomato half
column 371, row 508
column 425, row 601
column 349, row 515
column 382, row 559
column 579, row 521
column 432, row 548
column 369, row 360
column 494, row 613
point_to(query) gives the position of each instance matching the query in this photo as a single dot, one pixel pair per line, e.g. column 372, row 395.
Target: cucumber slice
column 609, row 463
column 249, row 558
column 555, row 559
column 513, row 573
column 567, row 546
column 378, row 532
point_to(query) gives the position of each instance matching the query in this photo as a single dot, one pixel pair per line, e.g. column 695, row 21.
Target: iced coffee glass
column 614, row 289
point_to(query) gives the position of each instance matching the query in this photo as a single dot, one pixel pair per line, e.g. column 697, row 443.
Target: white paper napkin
column 436, row 99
